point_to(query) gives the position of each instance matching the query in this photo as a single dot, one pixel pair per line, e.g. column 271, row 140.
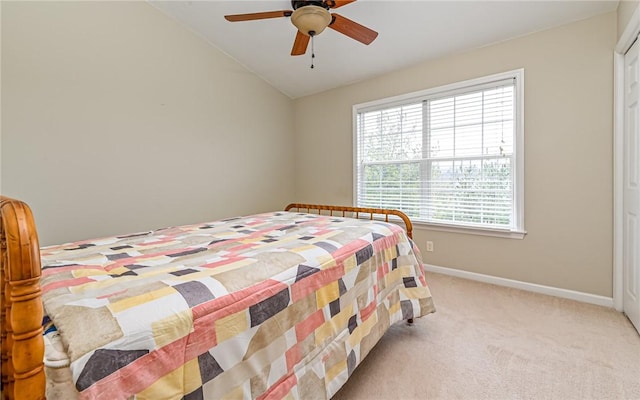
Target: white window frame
column 518, row 231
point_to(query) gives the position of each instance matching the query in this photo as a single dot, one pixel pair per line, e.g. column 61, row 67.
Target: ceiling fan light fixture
column 311, row 20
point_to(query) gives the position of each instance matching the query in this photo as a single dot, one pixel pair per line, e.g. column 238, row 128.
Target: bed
column 275, row 305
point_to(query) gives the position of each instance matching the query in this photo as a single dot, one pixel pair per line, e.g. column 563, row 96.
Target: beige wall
column 116, row 119
column 568, row 154
column 626, row 8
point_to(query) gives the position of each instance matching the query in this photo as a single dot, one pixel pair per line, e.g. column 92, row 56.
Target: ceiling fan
column 311, row 18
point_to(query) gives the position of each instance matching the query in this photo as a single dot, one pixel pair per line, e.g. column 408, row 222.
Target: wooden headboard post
column 356, row 211
column 21, row 311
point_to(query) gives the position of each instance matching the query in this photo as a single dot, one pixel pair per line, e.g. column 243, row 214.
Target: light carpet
column 492, row 342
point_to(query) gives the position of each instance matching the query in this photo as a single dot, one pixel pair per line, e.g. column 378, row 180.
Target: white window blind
column 446, row 157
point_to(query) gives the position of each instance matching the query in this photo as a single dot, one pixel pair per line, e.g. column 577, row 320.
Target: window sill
column 503, row 233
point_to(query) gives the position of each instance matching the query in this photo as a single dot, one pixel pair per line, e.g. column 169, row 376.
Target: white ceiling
column 409, row 32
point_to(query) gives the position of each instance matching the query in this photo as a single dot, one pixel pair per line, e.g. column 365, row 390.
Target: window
column 451, row 157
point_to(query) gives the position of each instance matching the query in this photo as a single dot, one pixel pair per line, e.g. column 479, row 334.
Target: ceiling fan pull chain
column 313, row 54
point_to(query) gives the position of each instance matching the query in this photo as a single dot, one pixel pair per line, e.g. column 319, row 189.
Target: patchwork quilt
column 275, row 305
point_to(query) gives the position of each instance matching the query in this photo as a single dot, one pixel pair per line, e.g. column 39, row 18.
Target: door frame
column 624, row 43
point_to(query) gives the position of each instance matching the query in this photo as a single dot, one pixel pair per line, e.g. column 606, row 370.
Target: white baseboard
column 531, row 287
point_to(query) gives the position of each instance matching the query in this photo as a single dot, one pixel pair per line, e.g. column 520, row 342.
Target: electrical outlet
column 429, row 245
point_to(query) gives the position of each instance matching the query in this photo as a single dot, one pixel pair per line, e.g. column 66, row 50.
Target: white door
column 631, row 191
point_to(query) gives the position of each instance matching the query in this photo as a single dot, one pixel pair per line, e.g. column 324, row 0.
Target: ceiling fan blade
column 260, row 15
column 352, row 29
column 337, row 3
column 300, row 44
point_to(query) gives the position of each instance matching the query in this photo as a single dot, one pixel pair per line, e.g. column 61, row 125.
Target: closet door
column 631, row 191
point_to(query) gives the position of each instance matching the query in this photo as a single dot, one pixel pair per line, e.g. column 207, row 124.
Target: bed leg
column 410, row 321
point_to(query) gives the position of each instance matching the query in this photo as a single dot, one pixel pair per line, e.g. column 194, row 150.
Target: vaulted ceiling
column 410, row 32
